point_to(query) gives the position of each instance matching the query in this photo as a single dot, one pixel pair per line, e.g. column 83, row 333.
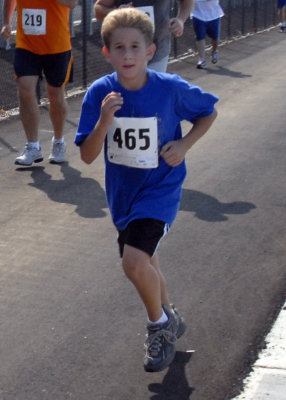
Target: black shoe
column 160, row 344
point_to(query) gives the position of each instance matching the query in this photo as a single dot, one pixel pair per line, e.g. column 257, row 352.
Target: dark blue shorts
column 57, row 68
column 203, row 28
column 143, row 234
column 281, row 3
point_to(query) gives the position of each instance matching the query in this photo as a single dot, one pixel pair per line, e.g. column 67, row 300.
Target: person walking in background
column 43, row 45
column 159, row 12
column 135, row 114
column 206, row 16
column 281, row 5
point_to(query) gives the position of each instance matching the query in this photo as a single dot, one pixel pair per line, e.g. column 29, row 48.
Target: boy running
column 135, row 114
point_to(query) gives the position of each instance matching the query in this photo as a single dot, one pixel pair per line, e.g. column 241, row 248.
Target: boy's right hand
column 110, row 104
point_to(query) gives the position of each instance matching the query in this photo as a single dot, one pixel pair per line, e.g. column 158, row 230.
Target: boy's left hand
column 174, row 152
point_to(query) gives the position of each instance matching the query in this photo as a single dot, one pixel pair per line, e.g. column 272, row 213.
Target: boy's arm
column 174, row 152
column 184, row 10
column 7, row 12
column 92, row 145
column 68, row 3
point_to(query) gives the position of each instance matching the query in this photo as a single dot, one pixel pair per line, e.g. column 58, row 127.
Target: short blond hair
column 129, row 17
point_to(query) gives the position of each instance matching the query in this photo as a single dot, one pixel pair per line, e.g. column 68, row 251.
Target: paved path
column 72, row 326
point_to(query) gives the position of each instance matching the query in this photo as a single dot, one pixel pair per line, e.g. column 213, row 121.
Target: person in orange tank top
column 43, row 46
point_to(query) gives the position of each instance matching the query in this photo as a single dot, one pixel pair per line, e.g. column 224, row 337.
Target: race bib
column 149, row 10
column 133, row 142
column 34, row 21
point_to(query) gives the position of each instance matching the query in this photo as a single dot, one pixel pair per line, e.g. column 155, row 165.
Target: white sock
column 34, row 145
column 58, row 140
column 161, row 320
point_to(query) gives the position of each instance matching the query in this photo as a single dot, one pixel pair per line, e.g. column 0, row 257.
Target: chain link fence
column 242, row 17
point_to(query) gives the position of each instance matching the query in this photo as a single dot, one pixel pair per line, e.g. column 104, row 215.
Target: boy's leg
column 163, row 286
column 145, row 277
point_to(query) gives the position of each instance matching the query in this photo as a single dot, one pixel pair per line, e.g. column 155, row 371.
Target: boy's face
column 129, row 55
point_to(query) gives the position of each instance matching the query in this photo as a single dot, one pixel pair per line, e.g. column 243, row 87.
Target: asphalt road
column 72, row 326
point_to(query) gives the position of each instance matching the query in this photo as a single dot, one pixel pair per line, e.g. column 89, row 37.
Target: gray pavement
column 72, row 327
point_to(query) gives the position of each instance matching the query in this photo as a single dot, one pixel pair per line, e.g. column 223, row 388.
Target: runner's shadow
column 175, row 384
column 208, row 208
column 219, row 70
column 85, row 193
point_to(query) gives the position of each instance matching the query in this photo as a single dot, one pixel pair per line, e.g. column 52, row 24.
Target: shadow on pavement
column 208, row 208
column 85, row 193
column 175, row 384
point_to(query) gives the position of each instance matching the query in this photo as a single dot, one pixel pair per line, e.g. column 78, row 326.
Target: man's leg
column 29, row 109
column 30, row 117
column 58, row 109
column 58, row 114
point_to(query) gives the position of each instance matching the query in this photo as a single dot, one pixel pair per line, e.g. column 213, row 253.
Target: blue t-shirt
column 135, row 193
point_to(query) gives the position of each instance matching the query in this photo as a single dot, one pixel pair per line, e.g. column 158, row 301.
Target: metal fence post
column 89, row 16
column 228, row 19
column 255, row 15
column 243, row 17
column 4, row 44
column 71, row 23
column 84, row 44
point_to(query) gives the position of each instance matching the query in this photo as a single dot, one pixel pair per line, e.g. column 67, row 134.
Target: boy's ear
column 151, row 51
column 105, row 52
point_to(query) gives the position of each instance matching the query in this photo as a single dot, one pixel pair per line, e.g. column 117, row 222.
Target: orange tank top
column 43, row 26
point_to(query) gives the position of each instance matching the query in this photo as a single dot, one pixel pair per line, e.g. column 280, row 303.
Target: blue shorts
column 143, row 234
column 281, row 3
column 203, row 28
column 57, row 68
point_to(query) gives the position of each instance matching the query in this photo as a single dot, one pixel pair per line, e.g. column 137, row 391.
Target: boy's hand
column 174, row 152
column 110, row 104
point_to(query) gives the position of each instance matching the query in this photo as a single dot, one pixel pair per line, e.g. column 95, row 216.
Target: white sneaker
column 29, row 155
column 58, row 151
column 202, row 64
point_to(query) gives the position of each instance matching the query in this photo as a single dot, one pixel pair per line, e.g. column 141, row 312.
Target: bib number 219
column 34, row 21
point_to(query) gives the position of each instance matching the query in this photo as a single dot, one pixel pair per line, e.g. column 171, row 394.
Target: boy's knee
column 134, row 264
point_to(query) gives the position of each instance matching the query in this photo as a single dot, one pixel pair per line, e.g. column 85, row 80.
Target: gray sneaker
column 58, row 152
column 29, row 155
column 160, row 344
column 179, row 321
